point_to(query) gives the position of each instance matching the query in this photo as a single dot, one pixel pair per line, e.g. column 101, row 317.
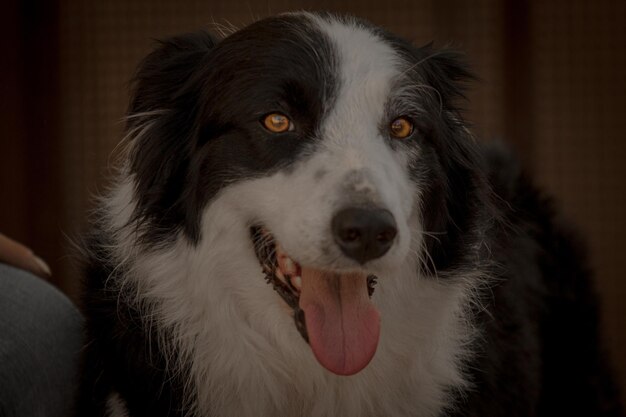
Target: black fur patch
column 541, row 353
column 122, row 353
column 456, row 200
column 207, row 100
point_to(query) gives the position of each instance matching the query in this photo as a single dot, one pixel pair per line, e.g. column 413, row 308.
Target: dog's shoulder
column 540, row 321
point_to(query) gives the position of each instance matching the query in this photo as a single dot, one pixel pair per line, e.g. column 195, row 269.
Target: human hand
column 17, row 255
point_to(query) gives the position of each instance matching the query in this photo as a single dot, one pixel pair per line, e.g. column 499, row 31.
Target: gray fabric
column 40, row 339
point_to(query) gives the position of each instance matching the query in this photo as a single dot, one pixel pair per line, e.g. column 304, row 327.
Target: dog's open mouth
column 332, row 310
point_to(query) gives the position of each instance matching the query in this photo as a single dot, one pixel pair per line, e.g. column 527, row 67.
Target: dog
column 303, row 225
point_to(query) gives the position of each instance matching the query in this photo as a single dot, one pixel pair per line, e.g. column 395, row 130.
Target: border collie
column 304, row 226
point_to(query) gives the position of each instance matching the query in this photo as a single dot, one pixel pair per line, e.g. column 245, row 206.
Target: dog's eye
column 277, row 123
column 401, row 128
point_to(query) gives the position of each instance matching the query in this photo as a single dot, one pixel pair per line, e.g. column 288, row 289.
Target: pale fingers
column 19, row 256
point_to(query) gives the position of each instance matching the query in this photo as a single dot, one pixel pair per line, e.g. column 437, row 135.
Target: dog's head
column 342, row 145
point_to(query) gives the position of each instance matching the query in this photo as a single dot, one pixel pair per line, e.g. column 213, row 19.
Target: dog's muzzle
column 331, row 309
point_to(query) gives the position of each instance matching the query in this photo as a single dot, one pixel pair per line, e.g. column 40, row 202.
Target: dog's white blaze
column 355, row 162
column 246, row 356
column 354, row 131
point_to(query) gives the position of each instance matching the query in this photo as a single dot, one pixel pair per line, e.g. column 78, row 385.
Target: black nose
column 364, row 234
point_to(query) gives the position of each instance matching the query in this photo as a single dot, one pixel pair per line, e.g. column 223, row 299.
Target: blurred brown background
column 553, row 83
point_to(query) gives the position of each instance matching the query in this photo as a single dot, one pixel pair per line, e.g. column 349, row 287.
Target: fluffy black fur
column 209, row 128
column 540, row 352
column 121, row 352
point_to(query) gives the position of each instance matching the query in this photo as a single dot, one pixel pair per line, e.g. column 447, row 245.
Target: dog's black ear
column 164, row 74
column 162, row 125
column 447, row 71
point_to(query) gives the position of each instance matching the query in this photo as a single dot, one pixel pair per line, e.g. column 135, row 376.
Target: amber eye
column 400, row 128
column 277, row 123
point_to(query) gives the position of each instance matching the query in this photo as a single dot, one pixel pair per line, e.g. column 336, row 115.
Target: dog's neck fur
column 241, row 345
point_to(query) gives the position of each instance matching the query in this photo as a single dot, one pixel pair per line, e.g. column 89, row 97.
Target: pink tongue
column 342, row 324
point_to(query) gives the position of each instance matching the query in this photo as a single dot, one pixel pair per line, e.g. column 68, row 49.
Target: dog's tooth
column 297, row 282
column 280, row 275
column 279, row 250
column 289, row 266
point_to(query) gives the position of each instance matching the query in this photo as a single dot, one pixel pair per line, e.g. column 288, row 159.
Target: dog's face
column 342, row 145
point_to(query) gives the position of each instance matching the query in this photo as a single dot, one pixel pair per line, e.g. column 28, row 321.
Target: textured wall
column 579, row 154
